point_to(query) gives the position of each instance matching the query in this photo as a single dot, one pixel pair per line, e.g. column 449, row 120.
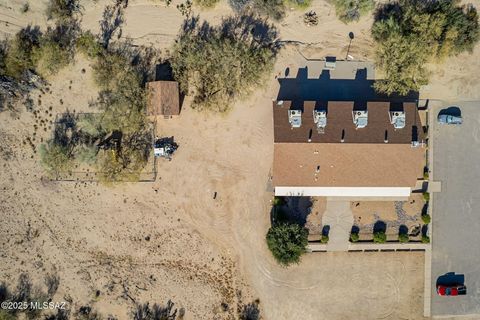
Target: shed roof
column 163, row 98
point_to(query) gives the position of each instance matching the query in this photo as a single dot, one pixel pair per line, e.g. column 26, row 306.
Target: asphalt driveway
column 456, row 210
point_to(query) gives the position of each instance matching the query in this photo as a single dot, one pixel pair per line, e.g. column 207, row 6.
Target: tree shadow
column 379, row 226
column 425, row 230
column 111, row 22
column 402, row 229
column 325, row 230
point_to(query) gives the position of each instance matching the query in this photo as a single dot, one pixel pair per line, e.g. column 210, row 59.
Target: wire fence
column 149, row 173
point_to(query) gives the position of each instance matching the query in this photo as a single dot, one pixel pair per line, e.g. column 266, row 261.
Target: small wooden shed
column 163, row 98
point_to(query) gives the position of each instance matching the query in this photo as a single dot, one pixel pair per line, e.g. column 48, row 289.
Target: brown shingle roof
column 339, row 120
column 163, row 98
column 347, row 165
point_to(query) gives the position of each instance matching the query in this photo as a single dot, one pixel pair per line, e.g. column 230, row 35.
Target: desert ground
column 150, row 242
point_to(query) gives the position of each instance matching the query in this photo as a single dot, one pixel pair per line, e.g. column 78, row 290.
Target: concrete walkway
column 339, row 217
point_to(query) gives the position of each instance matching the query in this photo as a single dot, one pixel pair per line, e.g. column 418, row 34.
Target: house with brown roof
column 347, row 149
column 163, row 98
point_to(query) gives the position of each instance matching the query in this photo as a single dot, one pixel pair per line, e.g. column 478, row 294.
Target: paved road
column 456, row 210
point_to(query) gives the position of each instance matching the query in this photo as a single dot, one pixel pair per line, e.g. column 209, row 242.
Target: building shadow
column 324, row 88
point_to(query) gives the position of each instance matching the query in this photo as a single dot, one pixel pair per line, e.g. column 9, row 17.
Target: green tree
column 221, row 64
column 411, row 33
column 287, row 242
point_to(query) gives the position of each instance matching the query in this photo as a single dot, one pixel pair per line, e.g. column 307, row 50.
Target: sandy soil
column 170, row 239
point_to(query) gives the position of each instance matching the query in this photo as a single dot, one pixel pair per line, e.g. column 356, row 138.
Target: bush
column 426, row 218
column 403, row 237
column 155, row 312
column 19, row 54
column 274, row 9
column 250, row 311
column 63, row 10
column 86, row 154
column 351, row 10
column 222, row 63
column 426, row 196
column 55, row 158
column 354, row 237
column 324, row 238
column 287, row 242
column 379, row 237
column 206, row 3
column 88, row 45
column 411, row 33
column 425, row 238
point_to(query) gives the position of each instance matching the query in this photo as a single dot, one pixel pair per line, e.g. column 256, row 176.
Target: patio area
column 394, row 214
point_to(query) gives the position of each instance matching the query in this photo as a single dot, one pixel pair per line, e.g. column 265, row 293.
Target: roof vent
column 360, row 119
column 320, row 119
column 397, row 118
column 295, row 118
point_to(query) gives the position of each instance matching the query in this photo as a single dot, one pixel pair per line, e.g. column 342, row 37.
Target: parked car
column 451, row 290
column 449, row 119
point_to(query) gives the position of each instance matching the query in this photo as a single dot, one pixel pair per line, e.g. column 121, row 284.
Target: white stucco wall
column 343, row 191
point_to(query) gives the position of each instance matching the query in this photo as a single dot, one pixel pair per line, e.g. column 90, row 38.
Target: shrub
column 206, row 3
column 19, row 54
column 411, row 33
column 379, row 237
column 25, row 7
column 55, row 158
column 278, row 201
column 155, row 312
column 222, row 63
column 351, row 10
column 426, row 196
column 287, row 242
column 403, row 237
column 354, row 237
column 250, row 311
column 324, row 238
column 425, row 238
column 88, row 45
column 86, row 154
column 63, row 9
column 274, row 9
column 426, row 218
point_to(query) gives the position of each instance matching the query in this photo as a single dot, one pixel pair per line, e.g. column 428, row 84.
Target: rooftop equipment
column 320, row 119
column 360, row 119
column 295, row 118
column 397, row 118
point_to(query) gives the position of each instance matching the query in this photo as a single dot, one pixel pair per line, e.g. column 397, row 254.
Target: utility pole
column 351, row 36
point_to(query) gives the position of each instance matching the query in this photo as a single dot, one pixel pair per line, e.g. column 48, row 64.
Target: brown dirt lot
column 170, row 239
